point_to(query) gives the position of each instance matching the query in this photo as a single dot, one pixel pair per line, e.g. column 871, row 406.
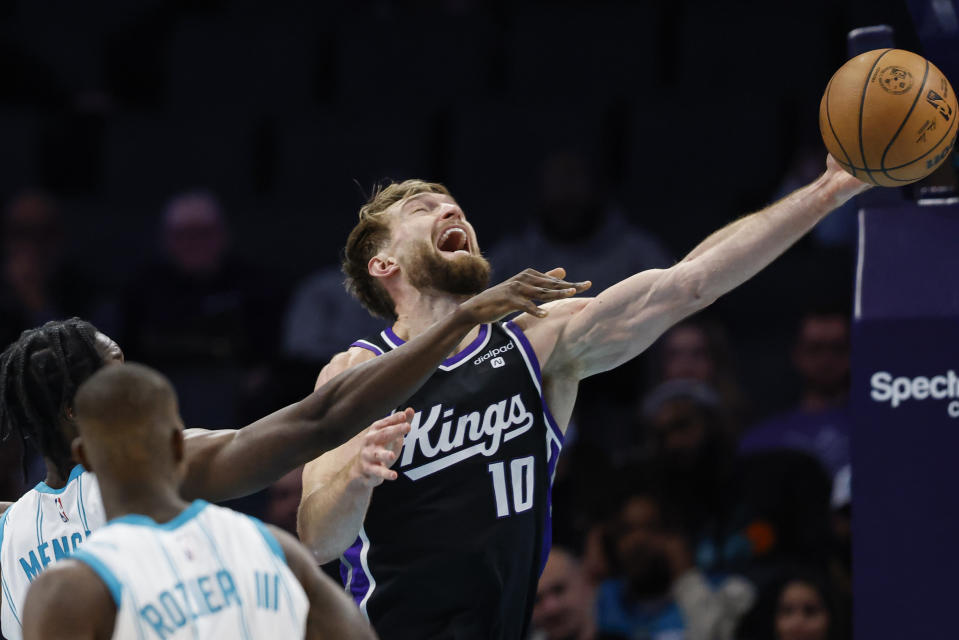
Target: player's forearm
column 348, row 403
column 230, row 465
column 716, row 238
column 739, row 251
column 331, row 514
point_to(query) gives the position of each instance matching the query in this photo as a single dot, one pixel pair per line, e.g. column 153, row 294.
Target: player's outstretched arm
column 584, row 337
column 332, row 613
column 228, row 464
column 68, row 601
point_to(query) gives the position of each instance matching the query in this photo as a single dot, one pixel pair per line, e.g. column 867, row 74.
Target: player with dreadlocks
column 41, row 372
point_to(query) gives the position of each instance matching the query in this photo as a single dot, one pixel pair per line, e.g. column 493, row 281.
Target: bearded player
column 454, row 546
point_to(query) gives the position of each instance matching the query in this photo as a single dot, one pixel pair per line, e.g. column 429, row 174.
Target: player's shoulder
column 544, row 331
column 83, row 601
column 69, row 579
column 342, row 361
column 11, row 510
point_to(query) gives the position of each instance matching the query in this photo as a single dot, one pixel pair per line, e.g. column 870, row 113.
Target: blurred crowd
column 704, row 491
column 682, row 508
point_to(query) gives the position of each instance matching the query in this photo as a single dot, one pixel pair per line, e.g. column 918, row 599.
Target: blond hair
column 369, row 235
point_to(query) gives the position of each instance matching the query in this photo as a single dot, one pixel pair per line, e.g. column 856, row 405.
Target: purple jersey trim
column 459, row 357
column 351, row 570
column 528, row 349
column 369, row 346
column 554, row 444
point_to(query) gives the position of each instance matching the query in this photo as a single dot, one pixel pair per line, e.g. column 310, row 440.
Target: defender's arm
column 332, row 613
column 228, row 464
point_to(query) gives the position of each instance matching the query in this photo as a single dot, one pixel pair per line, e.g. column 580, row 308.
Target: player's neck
column 55, row 478
column 416, row 313
column 153, row 497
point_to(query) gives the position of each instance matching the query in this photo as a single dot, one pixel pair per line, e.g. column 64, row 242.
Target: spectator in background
column 576, row 227
column 743, row 514
column 798, row 605
column 802, row 613
column 205, row 317
column 819, row 424
column 39, row 282
column 659, row 593
column 565, row 599
column 323, row 319
column 698, row 349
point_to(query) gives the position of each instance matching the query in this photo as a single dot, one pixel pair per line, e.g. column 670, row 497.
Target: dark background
column 688, row 114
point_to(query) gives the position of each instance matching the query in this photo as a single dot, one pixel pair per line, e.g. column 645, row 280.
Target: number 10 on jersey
column 518, row 476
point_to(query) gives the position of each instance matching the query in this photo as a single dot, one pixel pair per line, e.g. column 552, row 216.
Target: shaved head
column 128, row 421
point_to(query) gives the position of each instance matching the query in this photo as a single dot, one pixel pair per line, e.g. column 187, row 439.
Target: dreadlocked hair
column 39, row 375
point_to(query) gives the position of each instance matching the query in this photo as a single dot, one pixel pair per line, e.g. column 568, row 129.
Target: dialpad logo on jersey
column 897, row 390
column 497, row 362
column 444, row 439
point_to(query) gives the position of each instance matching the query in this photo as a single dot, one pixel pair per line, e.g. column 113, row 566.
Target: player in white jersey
column 163, row 567
column 40, row 373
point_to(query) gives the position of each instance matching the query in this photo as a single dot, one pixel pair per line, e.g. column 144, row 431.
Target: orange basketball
column 889, row 117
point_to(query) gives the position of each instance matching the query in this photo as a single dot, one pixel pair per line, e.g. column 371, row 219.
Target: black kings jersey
column 453, row 548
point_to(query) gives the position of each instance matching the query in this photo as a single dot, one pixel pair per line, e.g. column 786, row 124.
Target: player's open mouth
column 454, row 240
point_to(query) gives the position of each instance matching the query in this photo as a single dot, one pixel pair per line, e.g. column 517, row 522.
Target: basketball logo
column 63, row 512
column 895, row 80
column 939, row 103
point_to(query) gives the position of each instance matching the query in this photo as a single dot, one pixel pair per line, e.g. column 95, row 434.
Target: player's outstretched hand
column 520, row 293
column 382, row 442
column 846, row 185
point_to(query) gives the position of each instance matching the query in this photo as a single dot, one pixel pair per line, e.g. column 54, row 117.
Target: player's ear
column 382, row 266
column 79, row 454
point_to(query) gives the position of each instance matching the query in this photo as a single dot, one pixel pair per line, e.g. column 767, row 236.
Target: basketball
column 888, row 117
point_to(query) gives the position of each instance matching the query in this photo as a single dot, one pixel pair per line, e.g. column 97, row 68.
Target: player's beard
column 462, row 275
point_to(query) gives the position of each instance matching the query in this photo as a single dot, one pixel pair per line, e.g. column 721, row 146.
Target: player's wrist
column 463, row 317
column 358, row 481
column 835, row 187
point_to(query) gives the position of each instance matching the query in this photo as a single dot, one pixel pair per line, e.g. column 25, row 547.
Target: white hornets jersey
column 42, row 527
column 208, row 573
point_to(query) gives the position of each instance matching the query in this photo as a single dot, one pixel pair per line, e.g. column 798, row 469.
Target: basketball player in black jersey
column 454, row 546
